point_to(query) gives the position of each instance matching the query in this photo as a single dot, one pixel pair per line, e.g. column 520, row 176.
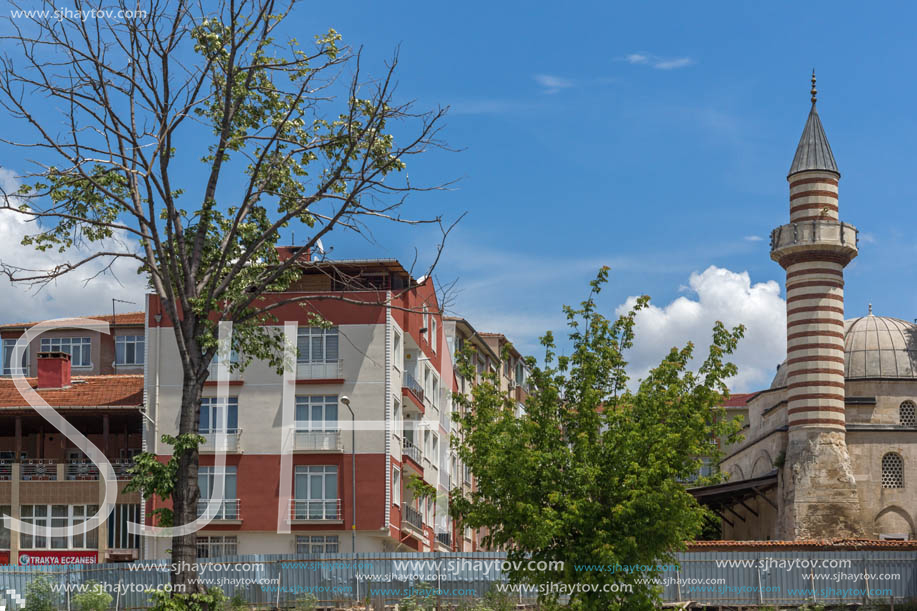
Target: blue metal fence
column 761, row 578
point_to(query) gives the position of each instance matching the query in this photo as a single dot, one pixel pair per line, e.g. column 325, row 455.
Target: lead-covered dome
column 874, row 347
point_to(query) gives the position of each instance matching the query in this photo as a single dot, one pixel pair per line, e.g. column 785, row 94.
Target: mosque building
column 830, row 449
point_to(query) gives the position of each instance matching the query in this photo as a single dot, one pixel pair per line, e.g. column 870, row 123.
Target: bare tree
column 288, row 137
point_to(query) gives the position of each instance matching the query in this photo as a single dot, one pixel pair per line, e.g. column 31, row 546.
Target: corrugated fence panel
column 713, row 578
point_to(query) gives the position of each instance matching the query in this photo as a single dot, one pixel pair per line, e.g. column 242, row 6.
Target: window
column 434, row 450
column 206, row 478
column 425, row 323
column 520, row 373
column 397, row 351
column 434, row 391
column 317, row 544
column 79, row 349
column 8, row 369
column 317, row 345
column 58, row 515
column 907, row 414
column 398, row 417
column 317, row 413
column 212, row 413
column 214, row 547
column 129, row 349
column 5, row 510
column 118, row 536
column 434, row 333
column 396, row 486
column 316, row 489
column 892, row 471
column 427, row 386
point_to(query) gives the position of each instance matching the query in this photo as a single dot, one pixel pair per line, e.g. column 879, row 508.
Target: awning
column 720, row 497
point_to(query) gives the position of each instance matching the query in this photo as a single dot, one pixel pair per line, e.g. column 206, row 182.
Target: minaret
column 819, row 496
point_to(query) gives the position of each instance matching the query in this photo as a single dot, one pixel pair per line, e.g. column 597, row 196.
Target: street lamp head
column 345, row 400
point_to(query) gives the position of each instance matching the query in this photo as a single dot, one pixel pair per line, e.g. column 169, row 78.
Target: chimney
column 53, row 370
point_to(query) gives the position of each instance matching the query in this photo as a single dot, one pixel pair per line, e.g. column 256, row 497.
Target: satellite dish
column 320, row 246
column 422, row 279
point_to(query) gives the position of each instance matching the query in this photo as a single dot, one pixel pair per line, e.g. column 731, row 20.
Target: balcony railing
column 413, row 385
column 412, row 517
column 323, row 441
column 78, row 470
column 444, row 538
column 6, row 470
column 228, row 509
column 409, row 450
column 38, row 469
column 121, row 466
column 315, row 509
column 221, row 441
column 333, row 370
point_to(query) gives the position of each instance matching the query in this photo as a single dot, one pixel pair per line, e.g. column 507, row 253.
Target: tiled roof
column 738, row 399
column 89, row 391
column 800, row 545
column 128, row 318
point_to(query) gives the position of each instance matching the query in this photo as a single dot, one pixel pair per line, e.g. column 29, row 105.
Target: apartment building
column 385, row 351
column 95, row 381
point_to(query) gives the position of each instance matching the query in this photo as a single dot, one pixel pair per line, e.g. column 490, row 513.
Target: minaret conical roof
column 813, row 152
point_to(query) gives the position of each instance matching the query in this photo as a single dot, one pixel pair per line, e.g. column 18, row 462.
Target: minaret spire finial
column 814, row 91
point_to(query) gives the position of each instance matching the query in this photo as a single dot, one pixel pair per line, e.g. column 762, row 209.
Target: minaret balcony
column 835, row 240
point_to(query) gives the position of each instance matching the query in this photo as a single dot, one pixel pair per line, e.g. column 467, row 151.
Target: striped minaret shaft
column 814, row 248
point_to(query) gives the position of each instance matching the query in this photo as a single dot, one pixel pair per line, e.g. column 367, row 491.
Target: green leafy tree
column 40, row 595
column 194, row 135
column 589, row 475
column 95, row 598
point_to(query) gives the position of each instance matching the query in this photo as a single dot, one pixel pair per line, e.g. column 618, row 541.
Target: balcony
column 315, row 510
column 444, row 539
column 317, row 441
column 412, row 517
column 333, row 370
column 221, row 441
column 413, row 386
column 38, row 470
column 6, row 470
column 228, row 509
column 409, row 450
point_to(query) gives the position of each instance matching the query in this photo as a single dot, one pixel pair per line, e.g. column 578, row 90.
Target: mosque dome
column 874, row 347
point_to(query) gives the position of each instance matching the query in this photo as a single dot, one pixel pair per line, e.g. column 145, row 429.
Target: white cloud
column 75, row 294
column 660, row 63
column 671, row 64
column 753, row 238
column 717, row 294
column 551, row 83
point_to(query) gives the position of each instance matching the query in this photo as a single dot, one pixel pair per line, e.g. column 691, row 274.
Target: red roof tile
column 738, row 399
column 89, row 391
column 128, row 318
column 800, row 545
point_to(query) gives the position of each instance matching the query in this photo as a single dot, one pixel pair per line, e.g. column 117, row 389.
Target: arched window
column 892, row 471
column 907, row 414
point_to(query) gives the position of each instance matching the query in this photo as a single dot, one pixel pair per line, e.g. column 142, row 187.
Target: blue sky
column 651, row 137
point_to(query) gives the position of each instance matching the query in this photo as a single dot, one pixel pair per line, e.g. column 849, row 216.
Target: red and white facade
column 391, row 361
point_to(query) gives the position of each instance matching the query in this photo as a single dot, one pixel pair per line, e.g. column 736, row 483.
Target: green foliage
column 154, row 478
column 307, row 602
column 94, row 599
column 420, row 489
column 39, row 596
column 422, row 599
column 589, row 475
column 236, row 603
column 167, row 601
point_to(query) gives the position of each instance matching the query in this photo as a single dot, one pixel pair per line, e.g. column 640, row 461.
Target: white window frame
column 227, row 545
column 434, row 390
column 7, row 347
column 433, row 332
column 434, row 450
column 67, row 344
column 139, row 344
column 324, row 335
column 398, row 350
column 396, row 486
column 69, row 520
column 214, row 416
column 326, row 403
column 398, row 417
column 318, row 544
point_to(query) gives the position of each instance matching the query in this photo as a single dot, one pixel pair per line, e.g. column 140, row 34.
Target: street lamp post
column 353, row 474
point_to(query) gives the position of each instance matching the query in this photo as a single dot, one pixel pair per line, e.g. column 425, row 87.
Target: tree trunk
column 186, row 493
